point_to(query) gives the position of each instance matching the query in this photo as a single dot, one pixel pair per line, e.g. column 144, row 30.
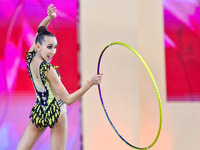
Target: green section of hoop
column 155, row 86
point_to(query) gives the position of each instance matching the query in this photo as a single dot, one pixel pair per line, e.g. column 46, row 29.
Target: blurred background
column 18, row 26
column 166, row 33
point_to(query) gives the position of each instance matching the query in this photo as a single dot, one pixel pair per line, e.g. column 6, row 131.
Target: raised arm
column 61, row 90
column 51, row 12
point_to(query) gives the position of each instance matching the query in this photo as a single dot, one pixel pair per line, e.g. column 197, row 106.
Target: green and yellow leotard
column 48, row 106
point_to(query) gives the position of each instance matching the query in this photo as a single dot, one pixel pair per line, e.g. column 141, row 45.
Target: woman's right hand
column 96, row 79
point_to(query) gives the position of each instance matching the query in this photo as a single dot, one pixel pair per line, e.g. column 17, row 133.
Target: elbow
column 66, row 100
column 68, row 103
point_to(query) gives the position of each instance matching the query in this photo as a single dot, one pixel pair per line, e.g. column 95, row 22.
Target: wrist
column 89, row 83
column 49, row 18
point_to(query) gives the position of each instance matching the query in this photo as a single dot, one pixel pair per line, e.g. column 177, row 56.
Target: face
column 48, row 48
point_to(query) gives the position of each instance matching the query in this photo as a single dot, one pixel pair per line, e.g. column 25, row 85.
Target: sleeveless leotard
column 48, row 106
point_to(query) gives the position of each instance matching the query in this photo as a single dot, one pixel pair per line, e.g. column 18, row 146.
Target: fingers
column 100, row 74
column 99, row 78
column 51, row 5
column 51, row 10
column 96, row 79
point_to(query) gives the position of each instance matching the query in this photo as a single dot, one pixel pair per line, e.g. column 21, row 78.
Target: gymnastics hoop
column 155, row 86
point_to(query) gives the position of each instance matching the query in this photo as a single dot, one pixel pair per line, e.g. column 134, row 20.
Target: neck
column 38, row 57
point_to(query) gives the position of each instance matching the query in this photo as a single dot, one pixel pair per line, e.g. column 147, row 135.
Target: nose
column 53, row 52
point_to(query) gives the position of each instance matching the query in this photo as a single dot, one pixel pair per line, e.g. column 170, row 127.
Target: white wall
column 127, row 90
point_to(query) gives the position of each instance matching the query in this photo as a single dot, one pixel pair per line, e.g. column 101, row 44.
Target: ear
column 38, row 46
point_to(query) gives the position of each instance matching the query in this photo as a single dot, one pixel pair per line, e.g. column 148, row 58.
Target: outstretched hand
column 51, row 11
column 96, row 79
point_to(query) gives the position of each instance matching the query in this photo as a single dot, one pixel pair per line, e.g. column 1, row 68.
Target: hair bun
column 42, row 29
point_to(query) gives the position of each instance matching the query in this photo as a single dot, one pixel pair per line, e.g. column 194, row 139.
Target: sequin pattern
column 46, row 110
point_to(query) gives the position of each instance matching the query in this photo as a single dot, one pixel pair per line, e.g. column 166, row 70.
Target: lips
column 50, row 57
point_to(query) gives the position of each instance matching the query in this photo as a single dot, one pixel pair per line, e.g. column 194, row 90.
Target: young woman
column 52, row 97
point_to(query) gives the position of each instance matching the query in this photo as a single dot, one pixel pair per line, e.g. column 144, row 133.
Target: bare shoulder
column 52, row 75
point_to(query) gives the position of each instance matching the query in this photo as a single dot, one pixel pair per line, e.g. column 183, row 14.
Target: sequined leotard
column 48, row 106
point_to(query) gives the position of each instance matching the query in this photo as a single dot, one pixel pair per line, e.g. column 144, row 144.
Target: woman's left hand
column 51, row 11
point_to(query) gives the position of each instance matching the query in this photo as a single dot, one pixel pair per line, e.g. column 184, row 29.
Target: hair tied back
column 42, row 29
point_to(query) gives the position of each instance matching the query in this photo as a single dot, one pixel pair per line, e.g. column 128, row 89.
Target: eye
column 49, row 47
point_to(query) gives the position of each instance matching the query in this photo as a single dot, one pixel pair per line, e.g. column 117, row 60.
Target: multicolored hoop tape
column 155, row 86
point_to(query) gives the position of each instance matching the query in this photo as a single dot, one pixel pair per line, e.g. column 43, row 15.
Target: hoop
column 155, row 86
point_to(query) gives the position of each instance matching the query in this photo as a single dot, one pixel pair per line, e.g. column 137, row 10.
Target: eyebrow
column 51, row 44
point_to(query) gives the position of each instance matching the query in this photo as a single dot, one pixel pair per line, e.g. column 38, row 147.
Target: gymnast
column 52, row 97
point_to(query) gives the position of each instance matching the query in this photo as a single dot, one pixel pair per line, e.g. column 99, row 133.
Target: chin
column 47, row 60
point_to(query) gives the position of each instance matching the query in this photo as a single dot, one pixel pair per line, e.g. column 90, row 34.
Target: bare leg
column 30, row 137
column 59, row 134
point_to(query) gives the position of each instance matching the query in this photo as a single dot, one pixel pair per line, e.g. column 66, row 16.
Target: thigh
column 59, row 134
column 30, row 136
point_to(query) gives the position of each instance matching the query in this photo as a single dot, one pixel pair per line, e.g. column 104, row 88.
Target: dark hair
column 42, row 31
